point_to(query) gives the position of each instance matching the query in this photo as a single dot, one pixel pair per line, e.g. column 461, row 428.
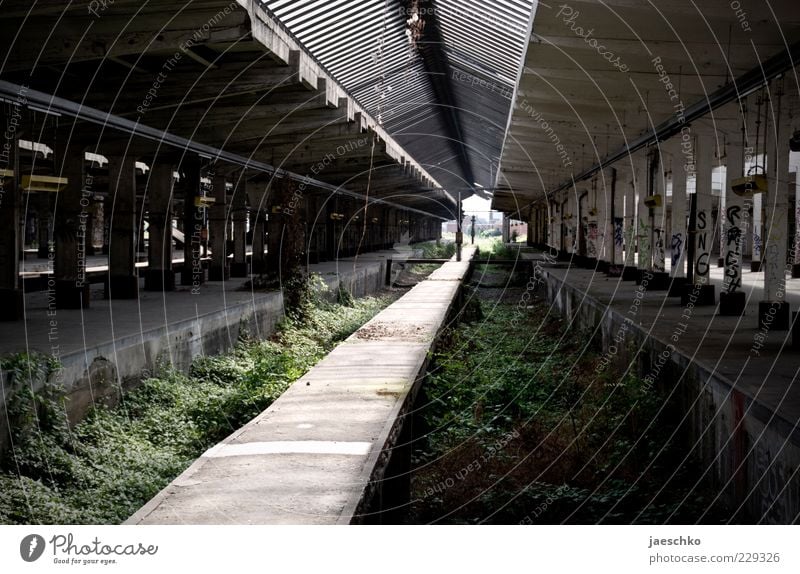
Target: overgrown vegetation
column 521, row 429
column 107, row 466
column 437, row 249
column 496, row 249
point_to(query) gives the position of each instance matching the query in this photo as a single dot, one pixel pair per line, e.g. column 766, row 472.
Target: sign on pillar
column 677, row 242
column 773, row 311
column 732, row 300
column 702, row 291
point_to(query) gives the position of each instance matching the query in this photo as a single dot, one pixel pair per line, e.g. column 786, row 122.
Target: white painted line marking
column 289, row 447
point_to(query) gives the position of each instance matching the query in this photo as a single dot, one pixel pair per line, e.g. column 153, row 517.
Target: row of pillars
column 624, row 224
column 285, row 221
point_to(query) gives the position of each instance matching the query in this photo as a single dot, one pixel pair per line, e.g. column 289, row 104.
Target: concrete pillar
column 593, row 218
column 106, row 208
column 13, row 307
column 274, row 233
column 732, row 300
column 773, row 310
column 681, row 169
column 605, row 229
column 616, row 187
column 239, row 216
column 217, row 229
column 796, row 266
column 123, row 283
column 69, row 233
column 660, row 225
column 701, row 225
column 628, row 191
column 193, row 274
column 644, row 261
column 256, row 195
column 160, row 182
column 757, row 235
column 44, row 224
column 506, row 228
column 569, row 214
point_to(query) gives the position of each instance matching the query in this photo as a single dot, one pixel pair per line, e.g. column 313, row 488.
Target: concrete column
column 702, row 223
column 605, row 206
column 660, row 228
column 13, row 307
column 106, row 209
column 239, row 216
column 628, row 192
column 757, row 235
column 217, row 229
column 796, row 266
column 274, row 233
column 681, row 169
column 644, row 261
column 592, row 218
column 159, row 275
column 616, row 187
column 123, row 283
column 506, row 228
column 44, row 224
column 732, row 300
column 256, row 195
column 69, row 233
column 193, row 273
column 572, row 223
column 773, row 310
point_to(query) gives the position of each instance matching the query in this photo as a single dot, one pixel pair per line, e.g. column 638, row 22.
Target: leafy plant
column 112, row 462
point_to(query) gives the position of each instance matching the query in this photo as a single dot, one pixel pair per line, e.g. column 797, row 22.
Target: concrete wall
column 752, row 454
column 101, row 374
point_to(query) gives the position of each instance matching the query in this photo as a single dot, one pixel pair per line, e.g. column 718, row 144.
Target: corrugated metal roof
column 365, row 45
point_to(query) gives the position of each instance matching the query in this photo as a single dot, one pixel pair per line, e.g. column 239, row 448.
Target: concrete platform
column 106, row 349
column 320, row 453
